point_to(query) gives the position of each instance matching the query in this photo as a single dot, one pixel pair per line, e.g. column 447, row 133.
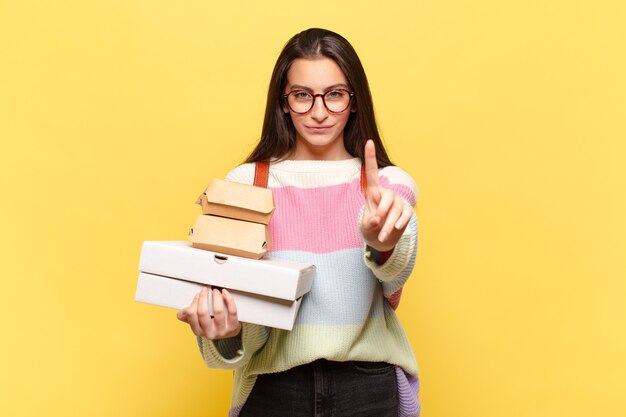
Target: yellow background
column 510, row 115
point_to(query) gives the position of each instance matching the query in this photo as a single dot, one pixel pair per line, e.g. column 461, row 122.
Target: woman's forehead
column 315, row 74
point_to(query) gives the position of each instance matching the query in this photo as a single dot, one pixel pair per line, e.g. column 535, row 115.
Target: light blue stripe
column 344, row 290
column 393, row 286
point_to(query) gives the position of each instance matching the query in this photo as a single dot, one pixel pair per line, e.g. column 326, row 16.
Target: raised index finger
column 371, row 171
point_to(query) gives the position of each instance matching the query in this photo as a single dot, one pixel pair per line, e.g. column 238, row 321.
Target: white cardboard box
column 251, row 308
column 276, row 278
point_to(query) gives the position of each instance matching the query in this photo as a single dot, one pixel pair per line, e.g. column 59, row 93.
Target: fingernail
column 225, row 292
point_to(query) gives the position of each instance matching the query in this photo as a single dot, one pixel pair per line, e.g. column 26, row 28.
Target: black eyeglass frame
column 286, row 98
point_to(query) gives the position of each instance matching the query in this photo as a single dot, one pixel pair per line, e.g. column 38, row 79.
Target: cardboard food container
column 251, row 308
column 237, row 201
column 230, row 236
column 271, row 277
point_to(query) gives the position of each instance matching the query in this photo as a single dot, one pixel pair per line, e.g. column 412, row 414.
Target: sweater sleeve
column 234, row 352
column 396, row 270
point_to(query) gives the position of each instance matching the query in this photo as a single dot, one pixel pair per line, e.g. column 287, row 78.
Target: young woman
column 347, row 354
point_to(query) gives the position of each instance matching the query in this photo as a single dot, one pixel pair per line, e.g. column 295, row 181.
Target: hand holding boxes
column 229, row 241
column 266, row 291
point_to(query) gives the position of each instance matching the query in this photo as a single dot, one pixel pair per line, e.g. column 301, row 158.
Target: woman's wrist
column 378, row 257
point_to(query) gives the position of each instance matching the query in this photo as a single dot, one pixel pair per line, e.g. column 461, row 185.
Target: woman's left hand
column 386, row 215
column 223, row 324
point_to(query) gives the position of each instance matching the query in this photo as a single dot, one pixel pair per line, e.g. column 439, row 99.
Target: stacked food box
column 229, row 241
column 234, row 219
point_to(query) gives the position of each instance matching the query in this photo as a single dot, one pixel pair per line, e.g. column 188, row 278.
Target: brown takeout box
column 230, row 236
column 237, row 201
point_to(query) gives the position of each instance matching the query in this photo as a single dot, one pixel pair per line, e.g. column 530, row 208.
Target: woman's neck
column 304, row 151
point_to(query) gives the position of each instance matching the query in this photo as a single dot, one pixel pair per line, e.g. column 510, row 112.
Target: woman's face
column 319, row 133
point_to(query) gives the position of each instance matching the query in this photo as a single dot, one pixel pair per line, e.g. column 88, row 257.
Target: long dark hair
column 278, row 135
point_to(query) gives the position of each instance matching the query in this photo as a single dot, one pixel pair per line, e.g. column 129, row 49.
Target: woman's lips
column 319, row 129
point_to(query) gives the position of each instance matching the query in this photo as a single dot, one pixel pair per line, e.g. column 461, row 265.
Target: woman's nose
column 319, row 111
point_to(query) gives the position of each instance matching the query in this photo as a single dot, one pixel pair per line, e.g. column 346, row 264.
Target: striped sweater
column 349, row 312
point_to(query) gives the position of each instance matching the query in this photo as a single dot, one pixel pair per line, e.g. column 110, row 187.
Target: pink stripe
column 316, row 219
column 400, row 189
column 394, row 299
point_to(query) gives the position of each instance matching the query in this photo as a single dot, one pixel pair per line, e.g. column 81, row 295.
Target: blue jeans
column 326, row 389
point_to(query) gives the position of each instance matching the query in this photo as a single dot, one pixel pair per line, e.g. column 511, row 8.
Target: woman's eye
column 302, row 96
column 335, row 95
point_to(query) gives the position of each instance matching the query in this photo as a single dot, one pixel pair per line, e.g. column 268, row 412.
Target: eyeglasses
column 335, row 101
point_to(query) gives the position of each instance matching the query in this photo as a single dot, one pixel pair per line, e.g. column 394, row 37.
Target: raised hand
column 221, row 325
column 386, row 215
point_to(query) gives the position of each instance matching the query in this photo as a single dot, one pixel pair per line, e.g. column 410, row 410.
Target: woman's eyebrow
column 332, row 87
